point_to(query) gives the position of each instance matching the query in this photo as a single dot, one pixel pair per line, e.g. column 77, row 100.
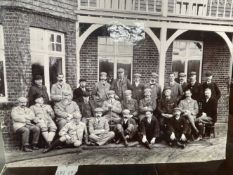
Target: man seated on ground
column 208, row 114
column 99, row 130
column 189, row 108
column 71, row 134
column 165, row 109
column 44, row 119
column 178, row 129
column 112, row 108
column 146, row 103
column 127, row 128
column 130, row 104
column 58, row 89
column 65, row 110
column 149, row 129
column 23, row 123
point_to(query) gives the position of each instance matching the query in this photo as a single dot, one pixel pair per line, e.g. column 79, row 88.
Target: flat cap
column 154, row 74
column 148, row 109
column 110, row 92
column 104, row 74
column 82, row 79
column 126, row 112
column 120, row 70
column 38, row 77
column 182, row 74
column 167, row 88
column 137, row 75
column 128, row 92
column 22, row 99
column 99, row 110
column 193, row 73
column 208, row 74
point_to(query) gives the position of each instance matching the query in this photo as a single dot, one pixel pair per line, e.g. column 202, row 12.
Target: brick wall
column 16, row 24
column 145, row 58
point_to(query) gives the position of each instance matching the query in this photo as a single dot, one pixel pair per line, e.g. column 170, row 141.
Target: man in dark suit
column 121, row 84
column 211, row 85
column 208, row 114
column 196, row 88
column 80, row 92
column 182, row 80
column 178, row 129
column 138, row 88
column 127, row 128
column 149, row 129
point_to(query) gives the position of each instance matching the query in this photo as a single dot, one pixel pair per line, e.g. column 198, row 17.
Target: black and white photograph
column 115, row 82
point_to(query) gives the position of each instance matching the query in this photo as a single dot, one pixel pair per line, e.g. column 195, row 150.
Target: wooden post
column 77, row 52
column 164, row 8
column 162, row 56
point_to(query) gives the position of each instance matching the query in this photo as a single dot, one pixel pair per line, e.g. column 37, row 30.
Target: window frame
column 2, row 52
column 115, row 55
column 188, row 57
column 46, row 53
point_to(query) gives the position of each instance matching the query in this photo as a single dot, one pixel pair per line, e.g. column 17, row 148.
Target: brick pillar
column 17, row 53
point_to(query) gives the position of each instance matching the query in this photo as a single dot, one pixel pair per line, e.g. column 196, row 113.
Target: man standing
column 182, row 80
column 112, row 108
column 23, row 123
column 189, row 108
column 176, row 89
column 130, row 104
column 156, row 92
column 65, row 110
column 58, row 88
column 137, row 88
column 208, row 114
column 149, row 129
column 121, row 84
column 215, row 92
column 101, row 89
column 178, row 129
column 80, row 92
column 195, row 87
column 37, row 88
column 44, row 119
column 99, row 130
column 127, row 128
column 72, row 134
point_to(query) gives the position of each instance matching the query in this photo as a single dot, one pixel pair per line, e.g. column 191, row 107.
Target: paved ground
column 202, row 151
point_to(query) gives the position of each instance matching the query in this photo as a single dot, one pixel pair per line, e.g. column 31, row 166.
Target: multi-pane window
column 187, row 57
column 113, row 55
column 3, row 85
column 48, row 54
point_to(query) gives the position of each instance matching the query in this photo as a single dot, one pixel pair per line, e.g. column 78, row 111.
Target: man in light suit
column 99, row 130
column 101, row 89
column 121, row 84
column 112, row 108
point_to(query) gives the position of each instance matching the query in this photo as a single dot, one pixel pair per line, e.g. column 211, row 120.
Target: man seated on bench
column 44, row 119
column 71, row 134
column 65, row 109
column 127, row 128
column 23, row 123
column 179, row 129
column 99, row 130
column 208, row 114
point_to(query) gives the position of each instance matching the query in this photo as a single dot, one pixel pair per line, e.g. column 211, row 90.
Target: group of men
column 117, row 112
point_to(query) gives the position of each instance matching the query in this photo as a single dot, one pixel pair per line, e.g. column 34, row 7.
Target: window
column 48, row 54
column 187, row 57
column 3, row 85
column 113, row 55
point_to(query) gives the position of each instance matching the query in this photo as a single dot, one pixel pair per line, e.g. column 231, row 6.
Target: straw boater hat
column 103, row 74
column 193, row 73
column 120, row 70
column 137, row 75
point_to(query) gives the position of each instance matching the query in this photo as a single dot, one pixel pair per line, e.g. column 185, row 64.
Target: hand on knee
column 77, row 143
